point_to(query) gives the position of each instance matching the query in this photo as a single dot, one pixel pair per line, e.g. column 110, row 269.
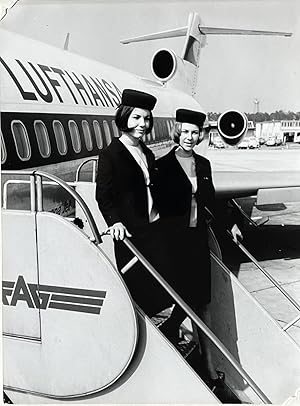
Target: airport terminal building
column 275, row 132
column 281, row 131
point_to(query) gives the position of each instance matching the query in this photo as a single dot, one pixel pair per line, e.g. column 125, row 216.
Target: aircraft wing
column 239, row 173
column 231, row 184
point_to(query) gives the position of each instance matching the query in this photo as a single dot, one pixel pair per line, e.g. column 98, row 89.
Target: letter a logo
column 21, row 292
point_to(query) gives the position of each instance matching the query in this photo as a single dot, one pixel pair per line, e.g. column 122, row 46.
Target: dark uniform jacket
column 173, row 193
column 174, row 190
column 121, row 192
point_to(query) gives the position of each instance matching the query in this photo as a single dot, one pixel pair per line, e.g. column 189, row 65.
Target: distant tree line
column 259, row 117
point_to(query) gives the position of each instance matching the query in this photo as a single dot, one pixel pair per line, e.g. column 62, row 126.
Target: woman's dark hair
column 176, row 132
column 122, row 116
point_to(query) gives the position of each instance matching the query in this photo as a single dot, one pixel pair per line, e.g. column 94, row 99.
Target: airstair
column 72, row 332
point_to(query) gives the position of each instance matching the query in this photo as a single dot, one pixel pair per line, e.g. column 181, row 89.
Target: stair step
column 186, row 347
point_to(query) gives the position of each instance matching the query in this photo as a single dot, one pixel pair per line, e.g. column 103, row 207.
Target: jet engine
column 232, row 126
column 165, row 63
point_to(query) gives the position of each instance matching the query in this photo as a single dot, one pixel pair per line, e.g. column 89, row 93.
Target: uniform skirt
column 191, row 263
column 180, row 254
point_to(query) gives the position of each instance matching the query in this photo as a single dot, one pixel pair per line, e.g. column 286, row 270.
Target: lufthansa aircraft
column 57, row 108
column 70, row 329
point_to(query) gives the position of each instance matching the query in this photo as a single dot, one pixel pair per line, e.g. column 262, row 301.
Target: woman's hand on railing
column 118, row 231
column 236, row 233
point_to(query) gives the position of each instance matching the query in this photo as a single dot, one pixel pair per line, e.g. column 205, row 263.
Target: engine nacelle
column 165, row 64
column 232, row 125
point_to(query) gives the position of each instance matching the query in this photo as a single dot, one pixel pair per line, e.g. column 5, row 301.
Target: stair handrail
column 37, row 183
column 94, row 160
column 256, row 263
column 196, row 319
column 36, row 202
column 265, row 272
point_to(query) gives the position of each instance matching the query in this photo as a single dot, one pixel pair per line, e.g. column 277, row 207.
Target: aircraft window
column 163, row 129
column 166, row 130
column 169, row 126
column 42, row 138
column 98, row 134
column 158, row 133
column 87, row 135
column 75, row 137
column 60, row 137
column 3, row 149
column 107, row 132
column 153, row 134
column 21, row 140
column 115, row 129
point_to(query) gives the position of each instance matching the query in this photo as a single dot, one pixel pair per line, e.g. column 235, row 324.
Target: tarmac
column 276, row 243
column 276, row 247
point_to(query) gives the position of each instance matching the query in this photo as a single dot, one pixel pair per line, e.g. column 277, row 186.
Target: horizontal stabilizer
column 237, row 31
column 181, row 32
column 178, row 32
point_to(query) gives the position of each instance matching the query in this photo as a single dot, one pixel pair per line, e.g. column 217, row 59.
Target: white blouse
column 189, row 167
column 138, row 154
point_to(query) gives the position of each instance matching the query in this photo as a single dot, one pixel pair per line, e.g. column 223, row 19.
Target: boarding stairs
column 50, row 259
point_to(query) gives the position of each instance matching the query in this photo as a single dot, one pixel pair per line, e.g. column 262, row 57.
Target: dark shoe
column 171, row 331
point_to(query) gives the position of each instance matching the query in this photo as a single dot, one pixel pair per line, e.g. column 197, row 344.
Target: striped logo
column 52, row 297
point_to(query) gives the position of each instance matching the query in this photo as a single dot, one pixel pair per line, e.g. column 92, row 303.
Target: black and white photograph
column 150, row 194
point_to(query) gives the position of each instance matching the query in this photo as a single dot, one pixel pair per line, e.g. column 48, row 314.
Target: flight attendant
column 124, row 195
column 184, row 188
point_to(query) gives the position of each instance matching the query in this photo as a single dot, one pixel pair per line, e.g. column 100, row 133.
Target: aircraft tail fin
column 191, row 32
column 195, row 34
column 182, row 31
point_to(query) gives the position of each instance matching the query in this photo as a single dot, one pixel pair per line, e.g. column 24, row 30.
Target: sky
column 234, row 70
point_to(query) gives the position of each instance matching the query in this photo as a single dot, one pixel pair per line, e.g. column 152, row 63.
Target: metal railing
column 95, row 161
column 265, row 272
column 248, row 218
column 291, row 300
column 36, row 185
column 36, row 196
column 196, row 319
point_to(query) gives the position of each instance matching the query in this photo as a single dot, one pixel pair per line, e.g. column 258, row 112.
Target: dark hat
column 190, row 116
column 135, row 98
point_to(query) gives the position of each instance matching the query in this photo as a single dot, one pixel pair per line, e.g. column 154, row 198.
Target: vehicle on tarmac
column 271, row 142
column 253, row 143
column 243, row 145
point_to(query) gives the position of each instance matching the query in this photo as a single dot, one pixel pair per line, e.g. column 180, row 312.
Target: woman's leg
column 171, row 326
column 204, row 314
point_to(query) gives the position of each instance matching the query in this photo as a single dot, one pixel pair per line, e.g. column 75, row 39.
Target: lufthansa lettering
column 49, row 84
